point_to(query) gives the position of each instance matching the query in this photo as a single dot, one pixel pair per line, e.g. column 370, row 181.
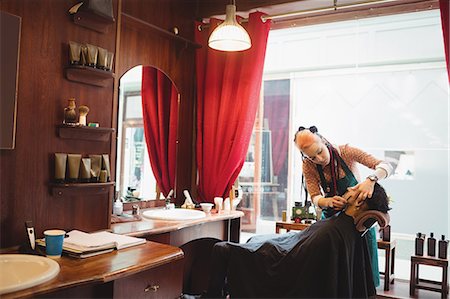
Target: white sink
column 174, row 214
column 21, row 271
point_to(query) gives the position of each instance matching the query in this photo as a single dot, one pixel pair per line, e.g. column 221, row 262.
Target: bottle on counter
column 118, row 207
column 443, row 247
column 431, row 245
column 419, row 242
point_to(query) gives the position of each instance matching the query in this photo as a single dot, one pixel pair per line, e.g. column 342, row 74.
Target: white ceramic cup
column 218, row 201
column 206, row 207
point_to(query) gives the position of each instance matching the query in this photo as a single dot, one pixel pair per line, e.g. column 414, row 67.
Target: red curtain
column 160, row 114
column 228, row 88
column 445, row 12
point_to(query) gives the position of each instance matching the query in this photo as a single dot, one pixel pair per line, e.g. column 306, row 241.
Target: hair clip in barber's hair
column 312, row 129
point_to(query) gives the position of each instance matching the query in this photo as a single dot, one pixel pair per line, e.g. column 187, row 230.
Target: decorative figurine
column 70, row 114
column 83, row 111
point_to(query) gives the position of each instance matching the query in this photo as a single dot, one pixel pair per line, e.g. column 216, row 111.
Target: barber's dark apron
column 343, row 183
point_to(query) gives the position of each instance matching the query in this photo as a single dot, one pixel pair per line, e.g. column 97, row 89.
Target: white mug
column 218, row 201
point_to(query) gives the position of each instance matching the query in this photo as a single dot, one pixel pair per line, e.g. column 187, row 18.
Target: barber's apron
column 347, row 181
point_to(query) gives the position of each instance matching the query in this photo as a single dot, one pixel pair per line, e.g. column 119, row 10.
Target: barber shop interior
column 224, row 148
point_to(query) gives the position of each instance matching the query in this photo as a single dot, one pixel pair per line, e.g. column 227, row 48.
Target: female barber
column 330, row 170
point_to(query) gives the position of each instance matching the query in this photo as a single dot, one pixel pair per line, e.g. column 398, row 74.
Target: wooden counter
column 109, row 275
column 151, row 270
column 224, row 226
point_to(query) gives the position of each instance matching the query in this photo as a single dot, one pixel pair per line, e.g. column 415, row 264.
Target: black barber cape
column 328, row 260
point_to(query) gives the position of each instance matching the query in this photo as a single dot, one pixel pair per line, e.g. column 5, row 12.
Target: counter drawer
column 165, row 281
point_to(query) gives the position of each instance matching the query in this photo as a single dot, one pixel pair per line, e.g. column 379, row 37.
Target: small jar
column 118, row 207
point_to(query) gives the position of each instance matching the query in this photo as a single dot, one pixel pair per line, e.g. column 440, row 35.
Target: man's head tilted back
column 378, row 202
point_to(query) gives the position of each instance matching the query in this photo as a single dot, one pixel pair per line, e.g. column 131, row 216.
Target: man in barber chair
column 330, row 259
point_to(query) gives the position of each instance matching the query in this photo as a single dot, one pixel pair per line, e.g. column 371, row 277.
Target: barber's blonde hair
column 305, row 138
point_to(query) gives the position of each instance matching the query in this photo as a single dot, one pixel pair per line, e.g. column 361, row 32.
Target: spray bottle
column 419, row 242
column 443, row 247
column 431, row 245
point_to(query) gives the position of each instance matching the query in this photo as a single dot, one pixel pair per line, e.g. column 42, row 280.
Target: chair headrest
column 367, row 219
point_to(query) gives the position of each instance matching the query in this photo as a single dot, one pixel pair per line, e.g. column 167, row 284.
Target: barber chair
column 197, row 263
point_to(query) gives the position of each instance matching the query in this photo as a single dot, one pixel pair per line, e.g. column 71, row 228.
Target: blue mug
column 54, row 239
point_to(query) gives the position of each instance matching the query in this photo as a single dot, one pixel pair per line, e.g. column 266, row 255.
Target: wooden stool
column 418, row 283
column 389, row 249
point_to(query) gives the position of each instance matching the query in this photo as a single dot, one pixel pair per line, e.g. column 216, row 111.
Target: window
column 263, row 177
column 379, row 84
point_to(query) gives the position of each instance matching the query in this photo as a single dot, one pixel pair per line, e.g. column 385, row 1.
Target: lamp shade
column 230, row 35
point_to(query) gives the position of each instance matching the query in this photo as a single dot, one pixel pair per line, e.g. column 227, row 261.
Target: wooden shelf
column 92, row 20
column 88, row 75
column 68, row 189
column 101, row 134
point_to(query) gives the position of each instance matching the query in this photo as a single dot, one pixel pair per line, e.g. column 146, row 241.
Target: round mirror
column 147, row 134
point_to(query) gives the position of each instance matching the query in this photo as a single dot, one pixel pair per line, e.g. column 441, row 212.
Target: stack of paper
column 81, row 244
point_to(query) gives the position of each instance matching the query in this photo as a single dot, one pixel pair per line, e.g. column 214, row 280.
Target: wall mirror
column 9, row 65
column 147, row 134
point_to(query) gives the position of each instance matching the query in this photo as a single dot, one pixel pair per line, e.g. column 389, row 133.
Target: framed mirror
column 9, row 73
column 147, row 134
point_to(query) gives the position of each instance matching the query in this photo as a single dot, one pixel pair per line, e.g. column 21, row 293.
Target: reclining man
column 328, row 260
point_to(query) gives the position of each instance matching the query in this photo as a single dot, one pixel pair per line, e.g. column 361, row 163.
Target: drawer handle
column 153, row 288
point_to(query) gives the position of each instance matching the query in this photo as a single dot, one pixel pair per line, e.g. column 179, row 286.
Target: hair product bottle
column 443, row 246
column 420, row 240
column 431, row 245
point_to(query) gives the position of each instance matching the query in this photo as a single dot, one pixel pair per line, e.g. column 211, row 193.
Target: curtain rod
column 324, row 9
column 335, row 7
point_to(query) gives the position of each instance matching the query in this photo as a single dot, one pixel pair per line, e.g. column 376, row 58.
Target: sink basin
column 174, row 214
column 21, row 271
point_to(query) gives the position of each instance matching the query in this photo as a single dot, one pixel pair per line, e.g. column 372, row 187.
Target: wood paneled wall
column 26, row 171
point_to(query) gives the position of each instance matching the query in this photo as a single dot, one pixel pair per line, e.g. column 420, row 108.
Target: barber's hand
column 364, row 189
column 337, row 202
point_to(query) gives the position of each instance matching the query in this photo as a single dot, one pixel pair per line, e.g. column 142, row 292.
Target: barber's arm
column 335, row 202
column 313, row 186
column 365, row 188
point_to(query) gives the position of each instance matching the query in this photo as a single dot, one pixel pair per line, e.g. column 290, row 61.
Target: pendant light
column 230, row 35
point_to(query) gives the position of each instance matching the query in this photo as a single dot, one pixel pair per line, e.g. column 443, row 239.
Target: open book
column 79, row 241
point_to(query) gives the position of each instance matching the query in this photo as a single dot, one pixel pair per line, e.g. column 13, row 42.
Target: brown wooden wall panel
column 26, row 171
column 42, row 95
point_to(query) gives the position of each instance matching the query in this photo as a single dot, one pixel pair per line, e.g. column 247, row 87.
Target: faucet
column 188, row 203
column 169, row 205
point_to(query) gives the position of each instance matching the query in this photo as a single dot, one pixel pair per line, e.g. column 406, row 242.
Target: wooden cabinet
column 162, row 282
column 165, row 282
